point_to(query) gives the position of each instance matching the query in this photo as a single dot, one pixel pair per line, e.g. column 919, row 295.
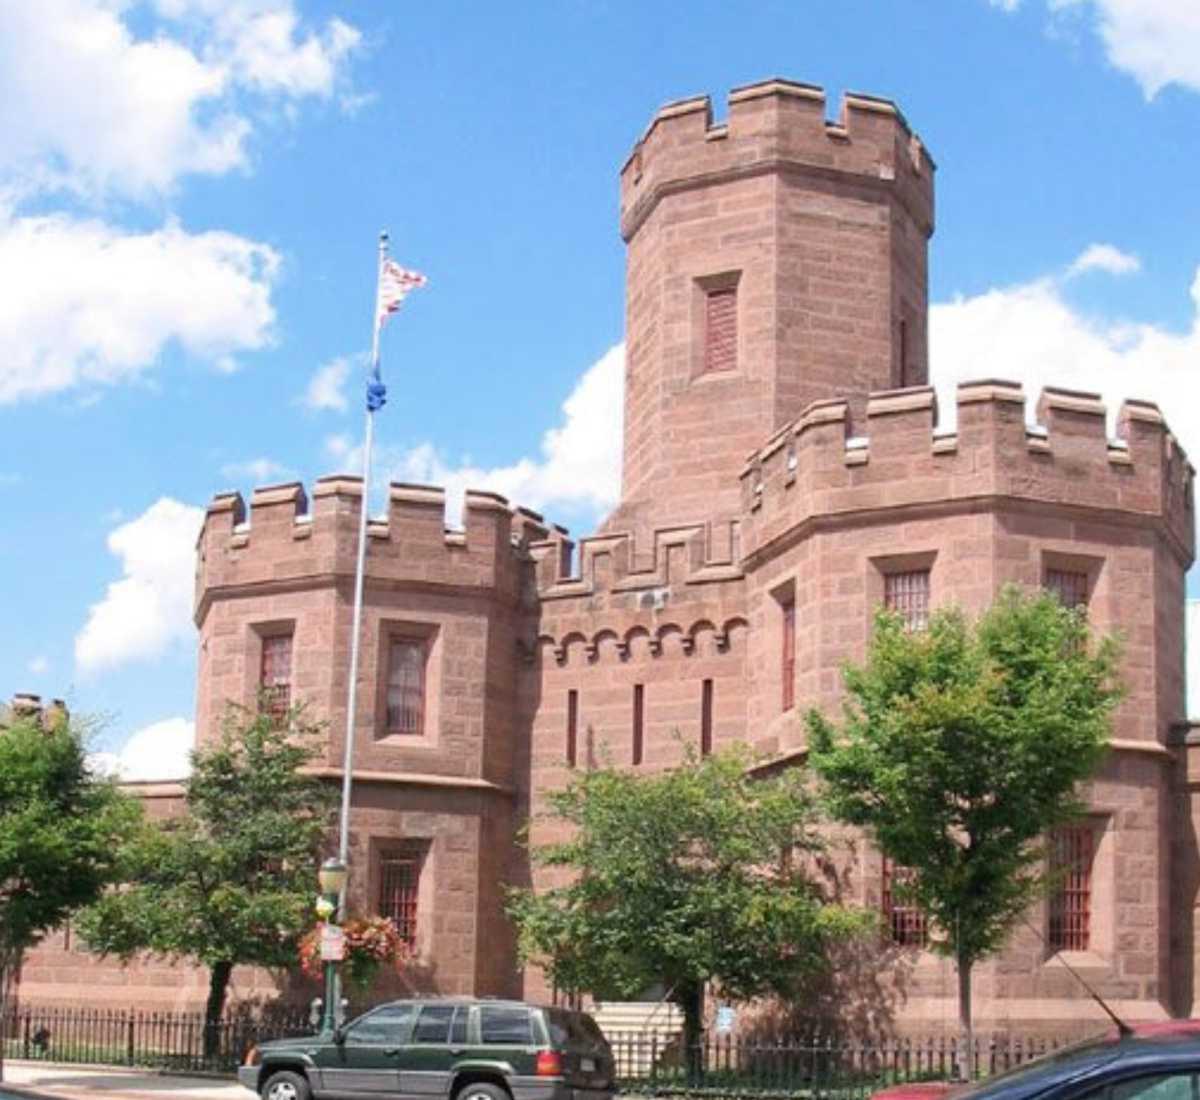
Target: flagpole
column 356, row 627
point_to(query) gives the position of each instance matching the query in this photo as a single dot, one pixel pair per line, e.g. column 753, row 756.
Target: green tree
column 693, row 875
column 232, row 881
column 60, row 826
column 962, row 747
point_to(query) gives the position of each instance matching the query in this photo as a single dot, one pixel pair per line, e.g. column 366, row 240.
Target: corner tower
column 775, row 260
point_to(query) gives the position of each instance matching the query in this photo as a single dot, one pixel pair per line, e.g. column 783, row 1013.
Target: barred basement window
column 787, row 664
column 904, row 921
column 398, row 894
column 1071, row 902
column 908, row 595
column 720, row 329
column 572, row 727
column 706, row 705
column 1069, row 586
column 406, row 686
column 638, row 718
column 275, row 676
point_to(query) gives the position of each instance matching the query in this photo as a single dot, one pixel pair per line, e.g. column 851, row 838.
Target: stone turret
column 774, row 260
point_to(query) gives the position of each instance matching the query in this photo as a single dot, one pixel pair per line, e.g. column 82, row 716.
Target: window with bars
column 720, row 329
column 398, row 879
column 905, row 922
column 639, row 706
column 787, row 664
column 1071, row 902
column 275, row 676
column 406, row 686
column 706, row 709
column 1070, row 586
column 572, row 727
column 908, row 595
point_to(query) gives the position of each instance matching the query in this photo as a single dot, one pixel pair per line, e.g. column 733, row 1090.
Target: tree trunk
column 691, row 999
column 966, row 1068
column 218, row 984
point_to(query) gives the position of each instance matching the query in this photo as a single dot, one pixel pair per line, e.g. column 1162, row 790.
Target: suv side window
column 388, row 1024
column 499, row 1024
column 433, row 1025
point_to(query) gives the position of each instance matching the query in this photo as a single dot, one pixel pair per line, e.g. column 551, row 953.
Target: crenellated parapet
column 812, row 471
column 694, row 554
column 777, row 125
column 285, row 538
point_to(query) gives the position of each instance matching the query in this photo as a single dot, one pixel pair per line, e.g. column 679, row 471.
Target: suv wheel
column 286, row 1085
column 481, row 1090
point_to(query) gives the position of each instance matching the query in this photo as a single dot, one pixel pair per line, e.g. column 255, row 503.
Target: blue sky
column 190, row 192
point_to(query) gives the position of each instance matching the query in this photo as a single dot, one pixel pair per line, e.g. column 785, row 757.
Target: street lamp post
column 332, row 880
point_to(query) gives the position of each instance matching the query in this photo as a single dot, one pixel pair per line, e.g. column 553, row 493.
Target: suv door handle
column 392, row 1051
column 457, row 1050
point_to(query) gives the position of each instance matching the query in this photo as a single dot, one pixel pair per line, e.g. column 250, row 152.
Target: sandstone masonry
column 785, row 471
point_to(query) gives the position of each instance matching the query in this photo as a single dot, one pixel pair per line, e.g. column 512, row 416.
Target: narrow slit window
column 720, row 329
column 639, row 699
column 406, row 686
column 572, row 727
column 706, row 710
column 908, row 595
column 787, row 670
column 1071, row 902
column 904, row 378
column 275, row 676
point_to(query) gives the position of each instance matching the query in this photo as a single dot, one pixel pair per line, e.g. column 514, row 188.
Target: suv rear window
column 505, row 1025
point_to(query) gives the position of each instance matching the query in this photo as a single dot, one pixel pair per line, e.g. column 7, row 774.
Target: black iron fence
column 156, row 1040
column 657, row 1063
column 649, row 1063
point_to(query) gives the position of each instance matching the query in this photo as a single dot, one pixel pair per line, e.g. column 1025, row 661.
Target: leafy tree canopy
column 60, row 828
column 961, row 747
column 233, row 879
column 697, row 874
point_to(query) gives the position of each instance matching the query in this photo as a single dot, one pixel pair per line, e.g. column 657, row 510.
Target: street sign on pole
column 333, row 943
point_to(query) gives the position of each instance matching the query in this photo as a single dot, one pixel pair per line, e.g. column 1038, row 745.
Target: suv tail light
column 549, row 1063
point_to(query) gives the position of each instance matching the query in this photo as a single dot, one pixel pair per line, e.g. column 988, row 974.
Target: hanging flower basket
column 371, row 944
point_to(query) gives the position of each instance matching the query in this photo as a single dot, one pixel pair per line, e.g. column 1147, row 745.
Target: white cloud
column 39, row 665
column 259, row 471
column 89, row 104
column 1005, row 5
column 157, row 751
column 1106, row 258
column 339, row 446
column 85, row 302
column 325, row 388
column 1156, row 41
column 1030, row 333
column 150, row 607
column 579, row 465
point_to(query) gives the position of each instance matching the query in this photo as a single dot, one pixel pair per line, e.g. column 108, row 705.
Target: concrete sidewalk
column 47, row 1079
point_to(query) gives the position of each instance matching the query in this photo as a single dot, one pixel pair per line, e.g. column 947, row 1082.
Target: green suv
column 457, row 1049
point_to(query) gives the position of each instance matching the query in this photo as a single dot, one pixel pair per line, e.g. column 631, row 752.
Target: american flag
column 394, row 284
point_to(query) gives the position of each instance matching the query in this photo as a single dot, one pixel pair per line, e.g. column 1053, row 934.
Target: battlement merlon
column 811, row 470
column 777, row 125
column 281, row 541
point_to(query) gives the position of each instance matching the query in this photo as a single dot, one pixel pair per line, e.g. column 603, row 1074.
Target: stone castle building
column 785, row 472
